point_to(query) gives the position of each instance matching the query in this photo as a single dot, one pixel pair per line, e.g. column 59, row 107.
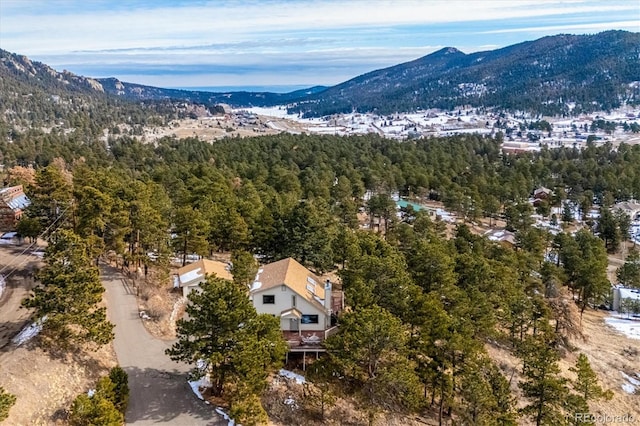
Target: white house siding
column 621, row 294
column 283, row 302
column 189, row 288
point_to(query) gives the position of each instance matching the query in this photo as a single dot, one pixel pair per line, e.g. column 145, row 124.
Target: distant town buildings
column 521, row 132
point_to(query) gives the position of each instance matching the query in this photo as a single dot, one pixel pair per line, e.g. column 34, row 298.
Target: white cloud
column 54, row 32
column 593, row 27
column 326, row 39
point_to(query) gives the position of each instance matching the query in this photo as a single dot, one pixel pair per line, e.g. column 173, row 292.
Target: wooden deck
column 308, row 340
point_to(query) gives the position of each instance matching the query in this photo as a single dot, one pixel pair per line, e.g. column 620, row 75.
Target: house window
column 309, row 319
column 293, row 301
column 268, row 299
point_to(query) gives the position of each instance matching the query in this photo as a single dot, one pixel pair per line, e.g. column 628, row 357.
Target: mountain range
column 555, row 75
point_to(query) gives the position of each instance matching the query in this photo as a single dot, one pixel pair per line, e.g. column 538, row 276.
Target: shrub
column 6, row 402
column 94, row 410
column 120, row 380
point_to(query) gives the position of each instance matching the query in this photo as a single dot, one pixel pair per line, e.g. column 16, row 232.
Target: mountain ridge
column 555, row 75
column 517, row 77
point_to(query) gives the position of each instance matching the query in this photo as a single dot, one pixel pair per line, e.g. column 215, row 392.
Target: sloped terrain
column 547, row 76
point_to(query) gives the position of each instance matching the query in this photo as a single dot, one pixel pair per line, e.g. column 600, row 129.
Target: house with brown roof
column 542, row 193
column 190, row 276
column 13, row 201
column 502, row 236
column 304, row 304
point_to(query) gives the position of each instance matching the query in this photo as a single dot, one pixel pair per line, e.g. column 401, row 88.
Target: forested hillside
column 555, row 75
column 36, row 96
column 441, row 299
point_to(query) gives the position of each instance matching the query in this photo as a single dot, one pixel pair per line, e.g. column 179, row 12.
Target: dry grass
column 609, row 353
column 158, row 299
column 45, row 384
column 305, row 411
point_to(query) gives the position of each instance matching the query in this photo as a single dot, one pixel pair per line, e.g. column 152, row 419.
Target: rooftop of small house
column 196, row 271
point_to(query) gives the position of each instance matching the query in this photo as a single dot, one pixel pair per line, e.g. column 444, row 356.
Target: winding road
column 159, row 392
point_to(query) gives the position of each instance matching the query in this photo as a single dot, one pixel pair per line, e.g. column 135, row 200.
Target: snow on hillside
column 629, row 327
column 517, row 137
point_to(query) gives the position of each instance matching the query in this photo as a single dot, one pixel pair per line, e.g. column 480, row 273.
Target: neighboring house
column 502, row 236
column 13, row 201
column 190, row 277
column 304, row 304
column 541, row 194
column 626, row 300
column 631, row 208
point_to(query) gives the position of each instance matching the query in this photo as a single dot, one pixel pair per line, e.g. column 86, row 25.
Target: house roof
column 629, row 207
column 629, row 293
column 196, row 272
column 542, row 190
column 501, row 235
column 14, row 197
column 293, row 275
column 291, row 313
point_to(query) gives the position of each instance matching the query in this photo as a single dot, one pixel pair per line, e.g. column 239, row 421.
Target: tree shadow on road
column 158, row 396
column 9, row 330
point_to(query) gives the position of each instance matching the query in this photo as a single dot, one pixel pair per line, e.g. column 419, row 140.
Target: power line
column 34, row 243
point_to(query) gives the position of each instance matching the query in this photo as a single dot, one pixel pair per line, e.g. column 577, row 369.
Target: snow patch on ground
column 202, row 382
column 225, row 416
column 174, row 312
column 631, row 385
column 293, row 376
column 291, row 402
column 3, row 284
column 629, row 327
column 29, row 332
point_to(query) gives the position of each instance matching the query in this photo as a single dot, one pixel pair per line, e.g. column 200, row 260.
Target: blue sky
column 285, row 43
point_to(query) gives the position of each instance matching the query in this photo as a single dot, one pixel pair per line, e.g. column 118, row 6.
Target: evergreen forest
column 424, row 298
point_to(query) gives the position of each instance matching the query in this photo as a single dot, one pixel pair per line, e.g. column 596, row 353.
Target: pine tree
column 629, row 274
column 99, row 408
column 542, row 384
column 370, row 352
column 94, row 410
column 191, row 230
column 586, row 382
column 69, row 295
column 29, row 227
column 246, row 409
column 608, row 230
column 51, row 196
column 485, row 395
column 120, row 380
column 228, row 340
column 244, row 267
column 319, row 387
